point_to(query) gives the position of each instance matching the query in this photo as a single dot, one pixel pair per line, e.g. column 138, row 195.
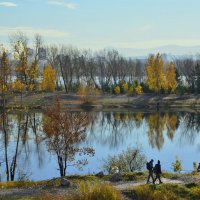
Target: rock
column 116, row 177
column 64, row 182
column 100, row 174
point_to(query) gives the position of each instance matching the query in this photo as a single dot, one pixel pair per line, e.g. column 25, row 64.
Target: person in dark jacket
column 198, row 168
column 158, row 172
column 150, row 169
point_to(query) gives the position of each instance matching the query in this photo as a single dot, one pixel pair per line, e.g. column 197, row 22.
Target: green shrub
column 128, row 161
column 177, row 166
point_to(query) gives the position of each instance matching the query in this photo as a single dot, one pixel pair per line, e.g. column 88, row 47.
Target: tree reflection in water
column 113, row 128
column 15, row 130
column 22, row 136
column 190, row 124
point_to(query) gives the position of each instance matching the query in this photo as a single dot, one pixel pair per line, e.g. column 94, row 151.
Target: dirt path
column 131, row 184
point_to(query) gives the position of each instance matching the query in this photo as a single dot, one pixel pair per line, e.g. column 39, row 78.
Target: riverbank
column 186, row 186
column 105, row 101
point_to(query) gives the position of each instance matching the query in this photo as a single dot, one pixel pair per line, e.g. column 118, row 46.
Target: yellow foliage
column 170, row 78
column 18, row 86
column 117, row 90
column 3, row 87
column 125, row 87
column 30, row 87
column 171, row 122
column 156, row 124
column 49, row 79
column 138, row 89
column 155, row 74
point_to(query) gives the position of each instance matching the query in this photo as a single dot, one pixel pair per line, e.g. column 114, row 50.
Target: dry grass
column 87, row 191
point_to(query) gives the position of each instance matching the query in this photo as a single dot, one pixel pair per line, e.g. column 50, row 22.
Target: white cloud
column 30, row 31
column 8, row 4
column 63, row 4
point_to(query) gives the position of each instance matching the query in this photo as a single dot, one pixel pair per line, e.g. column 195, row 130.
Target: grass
column 86, row 191
column 87, row 185
column 165, row 192
column 17, row 184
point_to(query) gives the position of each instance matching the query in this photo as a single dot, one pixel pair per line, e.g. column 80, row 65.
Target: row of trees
column 69, row 68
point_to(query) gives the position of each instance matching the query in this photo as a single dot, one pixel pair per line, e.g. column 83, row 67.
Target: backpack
column 148, row 165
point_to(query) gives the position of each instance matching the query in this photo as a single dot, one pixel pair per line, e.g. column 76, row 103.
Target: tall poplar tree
column 170, row 78
column 155, row 73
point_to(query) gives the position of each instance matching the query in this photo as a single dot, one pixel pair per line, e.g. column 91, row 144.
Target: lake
column 159, row 135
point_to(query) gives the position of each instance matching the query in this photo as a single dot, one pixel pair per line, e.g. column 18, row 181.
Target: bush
column 138, row 89
column 177, row 166
column 117, row 90
column 128, row 161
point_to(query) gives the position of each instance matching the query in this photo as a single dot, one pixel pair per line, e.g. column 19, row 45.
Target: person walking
column 150, row 169
column 198, row 168
column 158, row 172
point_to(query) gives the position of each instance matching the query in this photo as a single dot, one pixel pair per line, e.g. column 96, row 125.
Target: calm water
column 160, row 136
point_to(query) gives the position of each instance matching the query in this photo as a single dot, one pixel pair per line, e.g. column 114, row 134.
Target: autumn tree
column 49, row 79
column 171, row 83
column 65, row 131
column 155, row 73
column 27, row 61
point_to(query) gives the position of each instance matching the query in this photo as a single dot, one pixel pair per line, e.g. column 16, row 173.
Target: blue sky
column 97, row 24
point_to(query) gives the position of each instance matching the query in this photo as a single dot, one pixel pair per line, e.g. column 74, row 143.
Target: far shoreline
column 142, row 102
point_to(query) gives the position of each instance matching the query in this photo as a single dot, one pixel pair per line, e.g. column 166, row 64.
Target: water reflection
column 158, row 123
column 19, row 131
column 24, row 142
column 113, row 128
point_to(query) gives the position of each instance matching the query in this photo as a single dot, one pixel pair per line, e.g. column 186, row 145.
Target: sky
column 98, row 24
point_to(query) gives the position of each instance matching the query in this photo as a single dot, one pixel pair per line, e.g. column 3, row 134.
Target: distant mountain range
column 172, row 50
